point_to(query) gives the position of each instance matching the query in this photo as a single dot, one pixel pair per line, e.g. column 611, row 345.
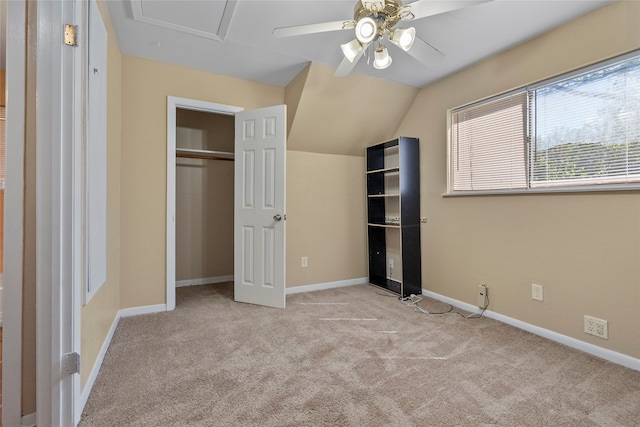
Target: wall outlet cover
column 596, row 327
column 482, row 296
column 537, row 292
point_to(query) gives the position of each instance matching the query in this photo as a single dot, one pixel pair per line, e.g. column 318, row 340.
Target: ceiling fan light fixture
column 403, row 37
column 351, row 49
column 382, row 58
column 366, row 30
column 373, row 5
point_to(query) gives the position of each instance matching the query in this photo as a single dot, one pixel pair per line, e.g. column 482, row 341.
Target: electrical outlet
column 391, row 263
column 304, row 261
column 596, row 327
column 483, row 301
column 537, row 292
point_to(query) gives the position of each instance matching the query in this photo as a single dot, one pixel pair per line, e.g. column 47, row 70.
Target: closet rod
column 204, row 154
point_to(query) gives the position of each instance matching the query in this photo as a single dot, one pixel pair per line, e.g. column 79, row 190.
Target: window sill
column 548, row 190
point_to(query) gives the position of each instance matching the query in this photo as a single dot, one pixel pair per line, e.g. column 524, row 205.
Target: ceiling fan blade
column 425, row 53
column 423, row 8
column 299, row 30
column 347, row 66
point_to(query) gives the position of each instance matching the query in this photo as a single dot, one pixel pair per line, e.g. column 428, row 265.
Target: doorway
column 259, row 201
column 176, row 106
column 204, row 197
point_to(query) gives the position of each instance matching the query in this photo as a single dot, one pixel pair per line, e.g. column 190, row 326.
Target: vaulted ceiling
column 235, row 37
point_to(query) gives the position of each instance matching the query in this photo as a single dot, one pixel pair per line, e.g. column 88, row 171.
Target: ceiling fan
column 375, row 19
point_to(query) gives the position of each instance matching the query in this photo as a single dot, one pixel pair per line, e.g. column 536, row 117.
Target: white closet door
column 259, row 235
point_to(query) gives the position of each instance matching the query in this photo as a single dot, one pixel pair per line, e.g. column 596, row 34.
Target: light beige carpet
column 346, row 357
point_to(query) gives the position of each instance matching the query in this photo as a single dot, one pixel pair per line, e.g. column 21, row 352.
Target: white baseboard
column 96, row 366
column 28, row 420
column 327, row 285
column 204, row 281
column 147, row 309
column 594, row 350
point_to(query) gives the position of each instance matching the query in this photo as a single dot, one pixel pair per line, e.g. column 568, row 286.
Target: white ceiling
column 249, row 50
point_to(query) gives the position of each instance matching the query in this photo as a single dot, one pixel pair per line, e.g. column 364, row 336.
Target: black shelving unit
column 393, row 216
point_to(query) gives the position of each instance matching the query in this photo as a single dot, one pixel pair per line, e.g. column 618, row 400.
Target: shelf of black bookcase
column 388, row 284
column 383, row 195
column 386, row 170
column 387, row 225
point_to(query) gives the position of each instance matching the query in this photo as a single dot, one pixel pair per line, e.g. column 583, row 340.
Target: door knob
column 277, row 217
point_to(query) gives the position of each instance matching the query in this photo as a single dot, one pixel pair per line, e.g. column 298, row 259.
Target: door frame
column 15, row 25
column 58, row 122
column 173, row 103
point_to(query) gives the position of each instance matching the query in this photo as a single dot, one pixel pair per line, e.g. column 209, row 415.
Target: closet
column 204, row 197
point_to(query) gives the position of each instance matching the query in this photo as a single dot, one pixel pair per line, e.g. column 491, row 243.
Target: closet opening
column 204, row 197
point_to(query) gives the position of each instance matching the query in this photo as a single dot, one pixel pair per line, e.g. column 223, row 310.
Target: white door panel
column 260, row 152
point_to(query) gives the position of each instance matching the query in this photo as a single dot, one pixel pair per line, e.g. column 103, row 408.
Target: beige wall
column 583, row 248
column 204, row 197
column 343, row 115
column 325, row 218
column 145, row 87
column 98, row 314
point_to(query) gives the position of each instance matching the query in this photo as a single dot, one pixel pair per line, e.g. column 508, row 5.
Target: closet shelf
column 204, row 154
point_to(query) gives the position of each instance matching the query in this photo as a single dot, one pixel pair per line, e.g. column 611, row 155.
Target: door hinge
column 71, row 363
column 70, row 32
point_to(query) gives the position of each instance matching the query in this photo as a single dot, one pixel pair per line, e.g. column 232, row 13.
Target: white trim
column 171, row 205
column 98, row 364
column 547, row 190
column 80, row 18
column 204, row 281
column 145, row 309
column 327, row 285
column 594, row 350
column 28, row 420
column 14, row 218
column 56, row 123
column 174, row 102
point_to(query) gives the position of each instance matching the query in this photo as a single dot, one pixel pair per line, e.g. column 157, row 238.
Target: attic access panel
column 208, row 19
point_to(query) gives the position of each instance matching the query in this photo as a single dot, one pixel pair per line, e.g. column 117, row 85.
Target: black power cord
column 413, row 300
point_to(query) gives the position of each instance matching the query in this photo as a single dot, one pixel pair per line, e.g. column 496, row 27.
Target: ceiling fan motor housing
column 386, row 17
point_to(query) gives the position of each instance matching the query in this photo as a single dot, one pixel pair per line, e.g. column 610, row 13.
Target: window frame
column 559, row 188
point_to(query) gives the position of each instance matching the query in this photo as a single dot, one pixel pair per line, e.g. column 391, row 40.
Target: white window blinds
column 579, row 129
column 587, row 128
column 488, row 142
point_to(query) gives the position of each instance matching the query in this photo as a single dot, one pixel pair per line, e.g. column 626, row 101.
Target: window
column 580, row 130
